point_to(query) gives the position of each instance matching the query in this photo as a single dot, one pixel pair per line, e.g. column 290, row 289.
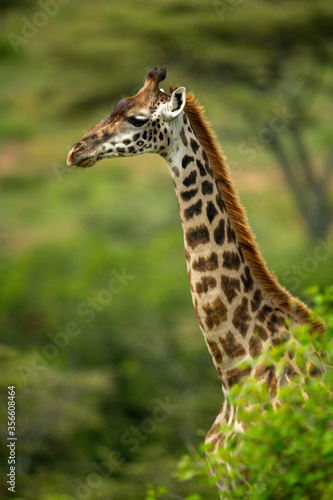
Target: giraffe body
column 238, row 302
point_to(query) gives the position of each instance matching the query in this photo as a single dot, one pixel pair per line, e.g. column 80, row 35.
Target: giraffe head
column 138, row 124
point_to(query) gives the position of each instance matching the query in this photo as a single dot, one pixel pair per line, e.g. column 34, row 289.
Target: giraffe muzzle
column 80, row 161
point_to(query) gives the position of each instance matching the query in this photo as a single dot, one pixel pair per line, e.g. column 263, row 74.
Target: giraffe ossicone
column 239, row 304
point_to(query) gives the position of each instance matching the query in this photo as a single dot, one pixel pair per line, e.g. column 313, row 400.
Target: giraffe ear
column 175, row 105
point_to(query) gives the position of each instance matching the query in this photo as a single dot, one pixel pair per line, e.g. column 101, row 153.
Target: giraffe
column 239, row 303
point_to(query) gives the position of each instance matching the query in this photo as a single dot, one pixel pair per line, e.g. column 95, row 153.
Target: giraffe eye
column 137, row 121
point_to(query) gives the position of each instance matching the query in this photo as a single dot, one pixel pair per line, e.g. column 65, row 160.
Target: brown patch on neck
column 292, row 306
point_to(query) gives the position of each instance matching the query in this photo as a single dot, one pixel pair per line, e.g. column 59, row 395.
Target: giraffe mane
column 265, row 278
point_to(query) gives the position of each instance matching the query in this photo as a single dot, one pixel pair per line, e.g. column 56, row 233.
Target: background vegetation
column 97, row 329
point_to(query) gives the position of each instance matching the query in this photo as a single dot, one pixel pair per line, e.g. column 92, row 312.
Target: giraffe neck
column 231, row 307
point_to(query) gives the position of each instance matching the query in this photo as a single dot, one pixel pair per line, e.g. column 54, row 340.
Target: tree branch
column 324, row 183
column 284, row 163
column 303, row 156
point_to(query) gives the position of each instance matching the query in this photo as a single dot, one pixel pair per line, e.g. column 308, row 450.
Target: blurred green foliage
column 97, row 327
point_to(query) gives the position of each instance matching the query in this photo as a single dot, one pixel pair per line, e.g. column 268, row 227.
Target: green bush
column 284, row 453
